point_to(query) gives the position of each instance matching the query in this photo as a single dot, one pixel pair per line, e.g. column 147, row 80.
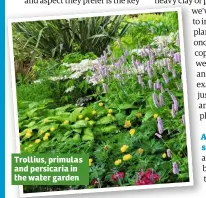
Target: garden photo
column 108, row 86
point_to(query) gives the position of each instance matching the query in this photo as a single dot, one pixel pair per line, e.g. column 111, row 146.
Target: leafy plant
column 124, row 108
column 77, row 57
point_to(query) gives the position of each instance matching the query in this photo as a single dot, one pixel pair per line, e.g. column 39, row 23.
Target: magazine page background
column 17, row 9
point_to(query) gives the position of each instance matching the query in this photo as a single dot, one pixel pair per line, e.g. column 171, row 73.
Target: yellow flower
column 80, row 117
column 118, row 162
column 155, row 115
column 28, row 134
column 132, row 132
column 139, row 115
column 94, row 112
column 90, row 161
column 29, row 131
column 101, row 104
column 110, row 111
column 86, row 119
column 109, row 114
column 47, row 134
column 164, row 155
column 66, row 122
column 124, row 148
column 127, row 157
column 127, row 124
column 37, row 141
column 45, row 138
column 140, row 151
column 91, row 123
column 52, row 129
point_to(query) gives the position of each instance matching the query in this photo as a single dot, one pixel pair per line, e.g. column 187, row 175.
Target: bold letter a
column 203, row 137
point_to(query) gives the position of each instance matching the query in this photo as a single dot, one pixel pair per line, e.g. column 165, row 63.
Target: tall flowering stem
column 165, row 78
column 156, row 103
column 160, row 125
column 161, row 100
column 175, row 168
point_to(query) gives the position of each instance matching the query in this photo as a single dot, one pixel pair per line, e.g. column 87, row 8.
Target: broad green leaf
column 105, row 120
column 126, row 106
column 74, row 115
column 79, row 124
column 148, row 115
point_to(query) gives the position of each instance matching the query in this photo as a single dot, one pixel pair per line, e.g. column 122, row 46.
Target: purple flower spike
column 151, row 57
column 140, row 79
column 161, row 100
column 149, row 71
column 171, row 53
column 173, row 111
column 158, row 135
column 175, row 104
column 101, row 72
column 150, row 84
column 156, row 103
column 175, row 168
column 118, row 65
column 96, row 78
column 165, row 78
column 104, row 58
column 158, row 84
column 160, row 125
column 174, row 99
column 168, row 65
column 169, row 153
column 177, row 57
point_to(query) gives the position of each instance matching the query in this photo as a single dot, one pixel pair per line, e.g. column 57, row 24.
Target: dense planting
column 124, row 108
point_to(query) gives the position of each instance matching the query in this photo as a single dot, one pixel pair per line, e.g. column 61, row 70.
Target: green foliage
column 33, row 92
column 56, row 37
column 144, row 27
column 114, row 119
column 78, row 57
